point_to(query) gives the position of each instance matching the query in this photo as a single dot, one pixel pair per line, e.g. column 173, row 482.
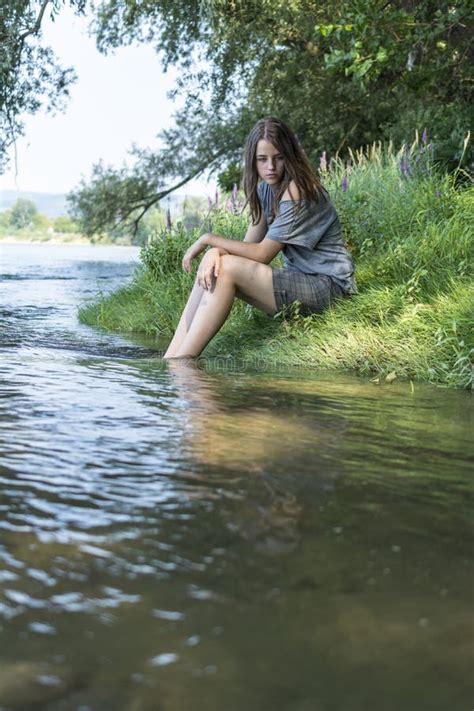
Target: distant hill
column 49, row 204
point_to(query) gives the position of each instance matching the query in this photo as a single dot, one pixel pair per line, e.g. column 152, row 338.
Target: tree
column 343, row 73
column 30, row 76
column 118, row 198
column 5, row 221
column 65, row 225
column 23, row 213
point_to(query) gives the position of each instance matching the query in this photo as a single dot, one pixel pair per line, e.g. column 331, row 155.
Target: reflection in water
column 177, row 538
column 246, row 440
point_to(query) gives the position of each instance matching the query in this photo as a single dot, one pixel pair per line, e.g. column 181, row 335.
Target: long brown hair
column 297, row 166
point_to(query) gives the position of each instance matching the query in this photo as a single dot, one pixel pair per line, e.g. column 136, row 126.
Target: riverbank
column 409, row 231
column 58, row 238
column 73, row 239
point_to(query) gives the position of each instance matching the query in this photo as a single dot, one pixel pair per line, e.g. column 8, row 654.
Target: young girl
column 291, row 211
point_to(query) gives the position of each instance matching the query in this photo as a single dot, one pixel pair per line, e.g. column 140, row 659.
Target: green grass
column 412, row 244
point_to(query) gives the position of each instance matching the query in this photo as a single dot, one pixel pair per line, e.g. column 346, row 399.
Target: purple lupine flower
column 169, row 224
column 405, row 163
column 438, row 194
column 234, row 192
column 323, row 163
column 217, row 196
column 229, row 205
column 424, row 137
column 344, row 184
column 405, row 167
column 209, row 201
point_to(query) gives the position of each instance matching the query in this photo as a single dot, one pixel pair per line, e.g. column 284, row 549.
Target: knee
column 229, row 266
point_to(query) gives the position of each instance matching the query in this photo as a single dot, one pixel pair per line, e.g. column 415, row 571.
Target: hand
column 193, row 252
column 209, row 269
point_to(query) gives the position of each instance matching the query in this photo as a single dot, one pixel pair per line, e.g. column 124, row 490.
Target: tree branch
column 31, row 31
column 37, row 26
column 146, row 205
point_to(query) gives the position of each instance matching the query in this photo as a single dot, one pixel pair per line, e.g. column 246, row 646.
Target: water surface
column 180, row 538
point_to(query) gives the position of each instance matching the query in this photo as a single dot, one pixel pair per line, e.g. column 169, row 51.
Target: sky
column 117, row 100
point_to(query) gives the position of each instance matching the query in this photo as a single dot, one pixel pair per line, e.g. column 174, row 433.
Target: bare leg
column 189, row 311
column 246, row 278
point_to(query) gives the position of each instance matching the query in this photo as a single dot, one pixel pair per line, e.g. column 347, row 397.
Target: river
column 178, row 538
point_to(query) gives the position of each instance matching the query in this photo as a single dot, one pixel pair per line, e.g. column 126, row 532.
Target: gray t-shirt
column 312, row 237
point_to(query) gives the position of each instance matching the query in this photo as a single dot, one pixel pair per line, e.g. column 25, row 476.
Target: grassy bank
column 410, row 232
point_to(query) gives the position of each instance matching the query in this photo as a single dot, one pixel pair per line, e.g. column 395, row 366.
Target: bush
column 65, row 225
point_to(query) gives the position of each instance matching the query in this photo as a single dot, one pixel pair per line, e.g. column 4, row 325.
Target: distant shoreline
column 19, row 240
column 57, row 241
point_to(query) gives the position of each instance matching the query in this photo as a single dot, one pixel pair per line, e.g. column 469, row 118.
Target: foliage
column 65, row 225
column 40, row 222
column 163, row 255
column 194, row 213
column 229, row 177
column 339, row 72
column 4, row 220
column 23, row 216
column 22, row 213
column 23, row 221
column 409, row 229
column 118, row 198
column 30, row 76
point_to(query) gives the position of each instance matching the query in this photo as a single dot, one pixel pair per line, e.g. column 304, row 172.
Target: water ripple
column 206, row 518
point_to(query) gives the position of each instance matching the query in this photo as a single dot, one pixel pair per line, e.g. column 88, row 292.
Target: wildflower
column 234, row 193
column 209, row 201
column 424, row 137
column 405, row 167
column 323, row 163
column 344, row 184
column 169, row 224
column 217, row 197
column 438, row 194
column 405, row 163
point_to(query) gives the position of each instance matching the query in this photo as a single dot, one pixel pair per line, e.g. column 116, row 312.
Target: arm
column 263, row 251
column 255, row 233
column 254, row 245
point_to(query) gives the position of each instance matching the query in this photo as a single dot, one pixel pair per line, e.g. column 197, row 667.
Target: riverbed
column 175, row 538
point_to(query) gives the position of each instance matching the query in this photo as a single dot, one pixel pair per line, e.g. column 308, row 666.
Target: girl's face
column 270, row 162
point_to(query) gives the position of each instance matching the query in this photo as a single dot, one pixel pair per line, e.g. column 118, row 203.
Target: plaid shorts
column 315, row 292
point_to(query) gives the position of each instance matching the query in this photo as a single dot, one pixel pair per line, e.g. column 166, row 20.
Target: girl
column 291, row 211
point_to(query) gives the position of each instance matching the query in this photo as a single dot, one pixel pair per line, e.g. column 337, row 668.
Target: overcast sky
column 117, row 100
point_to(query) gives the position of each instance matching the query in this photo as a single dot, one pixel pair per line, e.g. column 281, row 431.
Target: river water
column 181, row 538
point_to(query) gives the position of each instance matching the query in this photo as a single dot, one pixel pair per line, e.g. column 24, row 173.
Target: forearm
column 253, row 238
column 220, row 250
column 250, row 250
